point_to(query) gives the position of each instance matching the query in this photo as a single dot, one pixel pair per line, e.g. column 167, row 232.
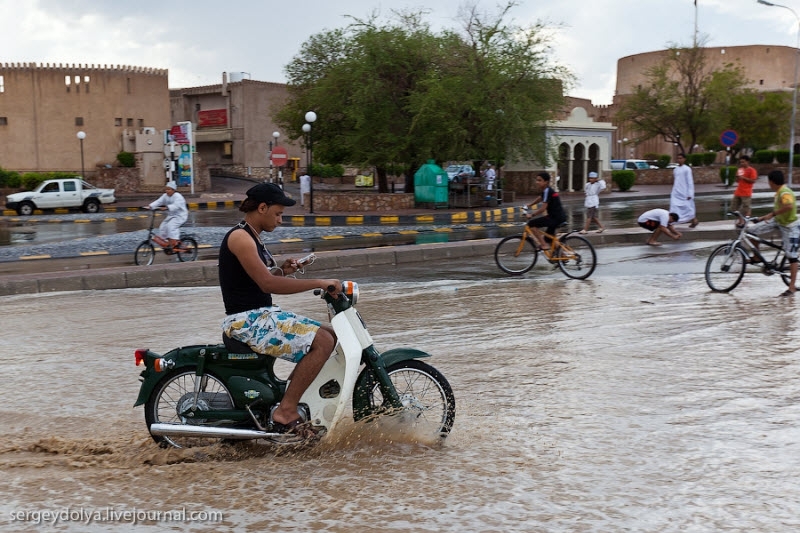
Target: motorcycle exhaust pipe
column 178, row 430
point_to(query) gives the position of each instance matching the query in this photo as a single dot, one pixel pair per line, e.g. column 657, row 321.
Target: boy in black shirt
column 551, row 204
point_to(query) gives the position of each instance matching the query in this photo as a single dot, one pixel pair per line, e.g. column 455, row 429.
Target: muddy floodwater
column 615, row 404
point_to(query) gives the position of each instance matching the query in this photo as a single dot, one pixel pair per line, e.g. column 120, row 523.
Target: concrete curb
column 204, row 272
column 504, row 214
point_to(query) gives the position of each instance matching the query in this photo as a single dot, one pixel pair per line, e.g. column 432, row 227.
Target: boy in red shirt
column 746, row 176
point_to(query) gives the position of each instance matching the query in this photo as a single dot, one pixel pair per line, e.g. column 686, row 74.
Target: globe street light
column 81, row 136
column 311, row 117
column 794, row 88
column 275, row 135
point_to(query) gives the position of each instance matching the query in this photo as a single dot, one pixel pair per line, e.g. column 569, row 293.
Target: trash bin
column 431, row 186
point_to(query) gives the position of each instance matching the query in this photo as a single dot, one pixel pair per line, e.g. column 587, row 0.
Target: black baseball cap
column 270, row 194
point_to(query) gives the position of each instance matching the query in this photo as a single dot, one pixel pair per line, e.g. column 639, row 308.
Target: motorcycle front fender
column 366, row 380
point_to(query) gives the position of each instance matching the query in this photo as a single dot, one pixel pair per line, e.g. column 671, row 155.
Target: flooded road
column 622, row 403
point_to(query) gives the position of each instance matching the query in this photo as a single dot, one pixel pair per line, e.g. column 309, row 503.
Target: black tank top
column 239, row 291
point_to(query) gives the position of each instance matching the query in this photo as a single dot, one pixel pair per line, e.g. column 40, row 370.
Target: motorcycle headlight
column 350, row 289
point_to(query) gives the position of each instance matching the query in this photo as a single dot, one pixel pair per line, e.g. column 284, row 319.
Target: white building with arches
column 576, row 146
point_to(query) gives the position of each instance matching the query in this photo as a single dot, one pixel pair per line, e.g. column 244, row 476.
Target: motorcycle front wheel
column 174, row 395
column 429, row 407
column 145, row 253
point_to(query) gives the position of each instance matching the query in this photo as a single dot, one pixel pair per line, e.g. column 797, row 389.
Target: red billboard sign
column 212, row 118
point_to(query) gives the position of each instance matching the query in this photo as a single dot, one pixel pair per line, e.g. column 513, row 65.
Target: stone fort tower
column 43, row 107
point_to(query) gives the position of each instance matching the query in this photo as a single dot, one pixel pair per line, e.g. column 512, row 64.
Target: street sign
column 279, row 156
column 728, row 138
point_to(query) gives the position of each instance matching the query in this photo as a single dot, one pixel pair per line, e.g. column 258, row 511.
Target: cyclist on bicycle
column 551, row 204
column 784, row 217
column 169, row 232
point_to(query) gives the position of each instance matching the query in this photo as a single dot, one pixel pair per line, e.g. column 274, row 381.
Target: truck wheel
column 26, row 209
column 91, row 206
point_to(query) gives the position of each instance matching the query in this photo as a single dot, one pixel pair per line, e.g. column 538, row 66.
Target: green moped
column 196, row 395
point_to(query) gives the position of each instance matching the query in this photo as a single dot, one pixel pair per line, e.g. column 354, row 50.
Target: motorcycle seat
column 234, row 346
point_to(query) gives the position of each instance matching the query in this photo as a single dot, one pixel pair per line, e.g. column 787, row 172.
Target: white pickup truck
column 61, row 193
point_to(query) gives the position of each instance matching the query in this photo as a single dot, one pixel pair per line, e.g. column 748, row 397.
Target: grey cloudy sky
column 200, row 39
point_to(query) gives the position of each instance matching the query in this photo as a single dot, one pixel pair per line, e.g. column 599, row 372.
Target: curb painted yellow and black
column 504, row 214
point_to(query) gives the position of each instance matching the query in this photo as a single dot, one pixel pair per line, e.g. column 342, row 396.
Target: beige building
column 43, row 107
column 768, row 68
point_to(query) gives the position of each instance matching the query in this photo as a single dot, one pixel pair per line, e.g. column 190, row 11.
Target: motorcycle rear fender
column 182, row 357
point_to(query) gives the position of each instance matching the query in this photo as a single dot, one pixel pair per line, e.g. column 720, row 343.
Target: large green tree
column 758, row 118
column 396, row 93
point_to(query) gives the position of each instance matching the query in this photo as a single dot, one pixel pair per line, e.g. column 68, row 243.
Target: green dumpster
column 431, row 186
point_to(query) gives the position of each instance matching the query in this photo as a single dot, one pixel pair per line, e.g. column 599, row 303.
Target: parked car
column 61, row 193
column 460, row 172
column 630, row 164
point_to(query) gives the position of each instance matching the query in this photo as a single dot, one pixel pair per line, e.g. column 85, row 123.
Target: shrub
column 623, row 178
column 696, row 160
column 709, row 158
column 663, row 161
column 327, row 171
column 764, row 156
column 782, row 156
column 31, row 179
column 728, row 175
column 14, row 180
column 9, row 178
column 126, row 159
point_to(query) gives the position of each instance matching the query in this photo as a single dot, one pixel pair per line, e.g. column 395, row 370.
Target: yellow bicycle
column 573, row 254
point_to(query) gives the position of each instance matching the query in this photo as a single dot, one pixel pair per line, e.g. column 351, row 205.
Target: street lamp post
column 310, row 118
column 81, row 136
column 794, row 88
column 275, row 136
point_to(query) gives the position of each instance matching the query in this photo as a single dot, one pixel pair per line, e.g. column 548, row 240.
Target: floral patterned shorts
column 270, row 331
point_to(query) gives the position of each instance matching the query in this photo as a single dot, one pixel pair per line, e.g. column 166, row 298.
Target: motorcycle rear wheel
column 429, row 407
column 173, row 394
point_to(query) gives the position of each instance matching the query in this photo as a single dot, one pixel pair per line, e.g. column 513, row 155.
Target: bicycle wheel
column 516, row 256
column 725, row 267
column 576, row 257
column 187, row 249
column 145, row 253
column 784, row 270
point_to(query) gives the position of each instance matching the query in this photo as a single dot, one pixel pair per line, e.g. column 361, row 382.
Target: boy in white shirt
column 659, row 221
column 592, row 202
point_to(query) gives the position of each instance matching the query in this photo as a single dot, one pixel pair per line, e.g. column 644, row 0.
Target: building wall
column 768, row 68
column 42, row 106
column 243, row 141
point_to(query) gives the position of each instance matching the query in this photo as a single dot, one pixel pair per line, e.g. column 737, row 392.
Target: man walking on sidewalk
column 746, row 176
column 681, row 201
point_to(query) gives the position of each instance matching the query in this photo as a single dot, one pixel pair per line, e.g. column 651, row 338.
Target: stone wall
column 359, row 201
